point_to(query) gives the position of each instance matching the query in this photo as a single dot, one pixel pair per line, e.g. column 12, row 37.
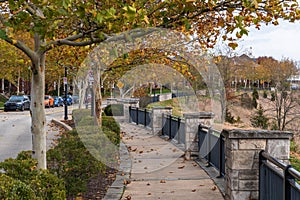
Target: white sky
column 282, row 41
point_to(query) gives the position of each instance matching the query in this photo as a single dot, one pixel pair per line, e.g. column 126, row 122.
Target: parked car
column 48, row 101
column 69, row 99
column 17, row 102
column 58, row 101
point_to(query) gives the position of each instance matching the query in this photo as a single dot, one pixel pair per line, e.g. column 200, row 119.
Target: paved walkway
column 160, row 172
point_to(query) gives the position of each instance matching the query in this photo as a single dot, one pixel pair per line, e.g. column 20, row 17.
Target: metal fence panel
column 211, row 147
column 141, row 118
column 295, row 191
column 174, row 128
column 166, row 125
column 148, row 119
column 271, row 185
column 277, row 180
column 133, row 115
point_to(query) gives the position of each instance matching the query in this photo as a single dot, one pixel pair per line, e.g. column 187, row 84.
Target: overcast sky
column 282, row 41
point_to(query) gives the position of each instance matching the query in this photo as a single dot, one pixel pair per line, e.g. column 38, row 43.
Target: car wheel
column 22, row 108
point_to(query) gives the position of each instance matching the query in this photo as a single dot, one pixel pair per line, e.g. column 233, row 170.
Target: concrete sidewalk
column 160, row 172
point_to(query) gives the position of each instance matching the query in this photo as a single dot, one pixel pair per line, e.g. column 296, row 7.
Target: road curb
column 61, row 124
column 116, row 190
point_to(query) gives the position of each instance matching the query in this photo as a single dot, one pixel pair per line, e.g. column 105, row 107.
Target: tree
column 283, row 100
column 259, row 120
column 80, row 23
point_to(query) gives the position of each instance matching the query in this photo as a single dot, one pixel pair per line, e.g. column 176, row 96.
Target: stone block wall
column 157, row 113
column 242, row 149
column 192, row 122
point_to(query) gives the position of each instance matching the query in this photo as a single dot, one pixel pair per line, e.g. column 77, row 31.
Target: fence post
column 130, row 110
column 137, row 116
column 178, row 127
column 242, row 148
column 208, row 147
column 145, row 115
column 261, row 175
column 286, row 183
column 170, row 126
column 221, row 142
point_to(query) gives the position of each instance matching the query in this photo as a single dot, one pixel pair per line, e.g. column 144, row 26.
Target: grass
column 295, row 162
column 174, row 103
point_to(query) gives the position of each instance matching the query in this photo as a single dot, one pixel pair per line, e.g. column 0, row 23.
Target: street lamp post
column 66, row 93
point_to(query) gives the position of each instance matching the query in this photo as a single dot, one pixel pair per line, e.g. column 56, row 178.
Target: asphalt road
column 15, row 135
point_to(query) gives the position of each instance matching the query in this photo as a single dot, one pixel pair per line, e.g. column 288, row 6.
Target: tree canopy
column 52, row 23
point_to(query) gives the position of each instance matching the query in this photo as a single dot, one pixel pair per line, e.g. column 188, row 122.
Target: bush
column 259, row 120
column 72, row 162
column 272, row 96
column 24, row 181
column 12, row 189
column 265, row 94
column 110, row 123
column 255, row 94
column 78, row 114
column 114, row 110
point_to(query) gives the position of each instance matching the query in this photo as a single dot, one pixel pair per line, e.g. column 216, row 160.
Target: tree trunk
column 3, row 88
column 18, row 82
column 38, row 114
column 37, row 107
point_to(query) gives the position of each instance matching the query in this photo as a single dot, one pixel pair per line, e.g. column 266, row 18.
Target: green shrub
column 87, row 121
column 78, row 114
column 265, row 94
column 114, row 110
column 111, row 123
column 12, row 189
column 72, row 162
column 255, row 94
column 259, row 120
column 272, row 96
column 27, row 181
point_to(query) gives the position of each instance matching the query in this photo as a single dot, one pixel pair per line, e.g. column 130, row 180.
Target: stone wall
column 192, row 122
column 157, row 113
column 242, row 149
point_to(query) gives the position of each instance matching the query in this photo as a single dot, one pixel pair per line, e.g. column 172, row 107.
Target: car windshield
column 16, row 98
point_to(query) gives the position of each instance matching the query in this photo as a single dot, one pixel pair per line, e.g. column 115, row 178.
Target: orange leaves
column 233, row 45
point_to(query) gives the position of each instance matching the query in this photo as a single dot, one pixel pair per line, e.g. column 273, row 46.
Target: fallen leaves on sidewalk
column 214, row 188
column 181, row 167
column 162, row 181
column 128, row 197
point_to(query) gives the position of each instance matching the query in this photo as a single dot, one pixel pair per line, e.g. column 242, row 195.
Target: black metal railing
column 140, row 116
column 212, row 148
column 277, row 180
column 173, row 127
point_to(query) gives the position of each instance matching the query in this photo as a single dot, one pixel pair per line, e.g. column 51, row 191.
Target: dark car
column 17, row 102
column 58, row 101
column 69, row 100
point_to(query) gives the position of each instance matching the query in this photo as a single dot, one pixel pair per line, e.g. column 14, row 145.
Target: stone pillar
column 192, row 122
column 242, row 149
column 157, row 113
column 126, row 103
